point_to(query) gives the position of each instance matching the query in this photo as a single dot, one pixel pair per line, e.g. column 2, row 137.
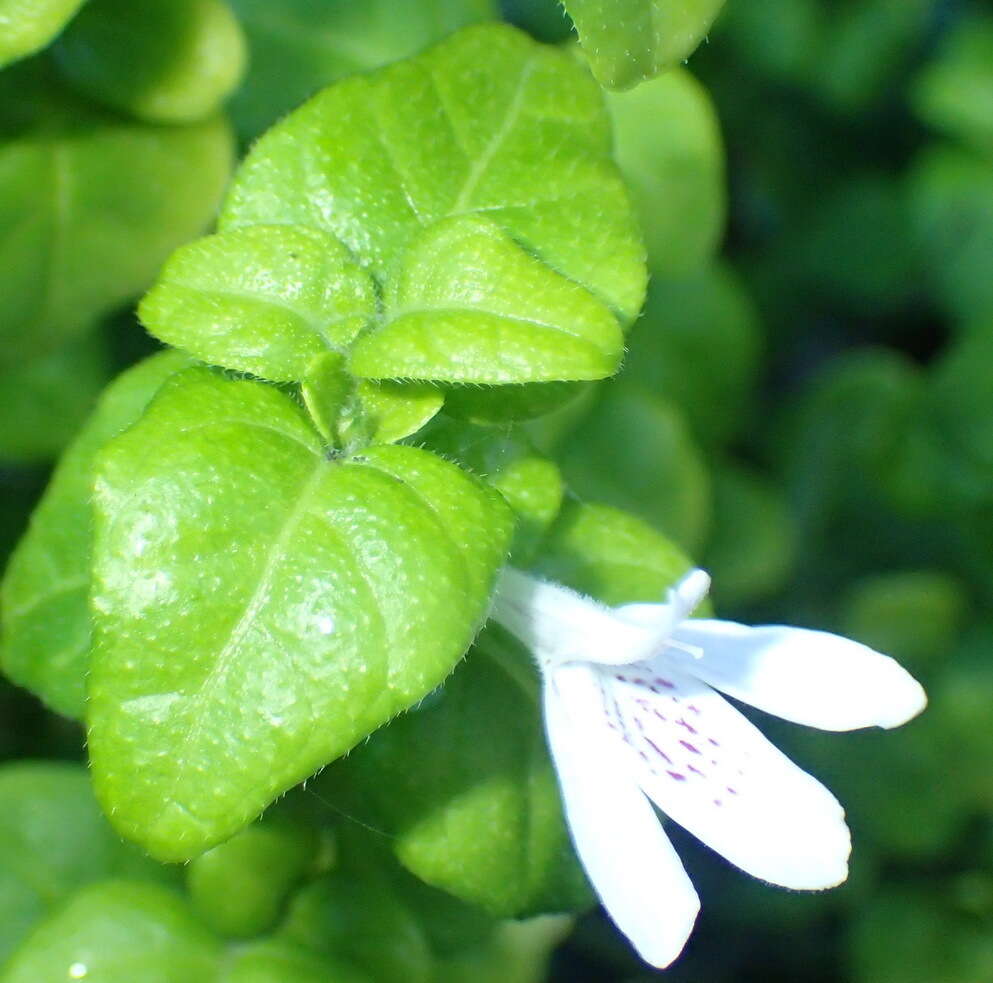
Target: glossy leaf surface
column 262, row 299
column 118, row 932
column 280, row 605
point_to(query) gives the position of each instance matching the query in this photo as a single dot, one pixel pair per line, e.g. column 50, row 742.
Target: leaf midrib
column 260, row 595
column 482, row 162
column 317, row 326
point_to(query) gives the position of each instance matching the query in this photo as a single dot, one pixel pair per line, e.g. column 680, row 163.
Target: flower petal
column 618, row 836
column 809, row 677
column 715, row 774
column 680, row 602
column 558, row 625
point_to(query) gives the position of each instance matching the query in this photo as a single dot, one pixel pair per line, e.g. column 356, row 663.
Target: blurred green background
column 806, row 407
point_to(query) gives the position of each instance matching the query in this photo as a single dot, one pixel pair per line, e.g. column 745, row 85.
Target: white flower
column 632, row 715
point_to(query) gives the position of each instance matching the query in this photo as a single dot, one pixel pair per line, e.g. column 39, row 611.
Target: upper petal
column 558, row 625
column 715, row 774
column 617, row 835
column 809, row 677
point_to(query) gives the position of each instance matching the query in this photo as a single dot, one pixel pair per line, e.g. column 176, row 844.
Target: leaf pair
column 451, row 218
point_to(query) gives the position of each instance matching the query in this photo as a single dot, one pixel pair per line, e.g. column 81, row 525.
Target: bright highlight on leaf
column 260, row 608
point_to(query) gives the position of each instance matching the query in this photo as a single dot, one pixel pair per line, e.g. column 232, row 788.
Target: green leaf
column 260, row 608
column 298, row 46
column 907, row 933
column 667, row 143
column 518, row 952
column 699, row 345
column 352, row 413
column 914, row 615
column 328, row 393
column 263, row 299
column 398, row 410
column 464, row 787
column 517, row 131
column 44, row 616
column 954, row 92
column 510, row 404
column 400, row 930
column 955, row 421
column 45, row 398
column 751, row 550
column 357, row 913
column 27, row 26
column 660, row 475
column 470, row 305
column 865, row 50
column 240, row 886
column 531, row 484
column 164, row 61
column 629, row 41
column 857, row 244
column 858, row 426
column 118, row 932
column 951, row 197
column 277, row 962
column 610, row 555
column 53, row 841
column 90, row 206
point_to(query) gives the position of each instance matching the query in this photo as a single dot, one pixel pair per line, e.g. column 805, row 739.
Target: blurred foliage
column 806, row 408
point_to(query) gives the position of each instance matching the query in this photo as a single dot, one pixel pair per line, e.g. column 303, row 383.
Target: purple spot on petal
column 689, row 727
column 717, row 802
column 658, row 750
column 732, row 791
column 690, row 747
column 696, row 771
column 667, row 683
column 659, row 715
column 694, row 708
column 715, row 743
column 677, row 776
